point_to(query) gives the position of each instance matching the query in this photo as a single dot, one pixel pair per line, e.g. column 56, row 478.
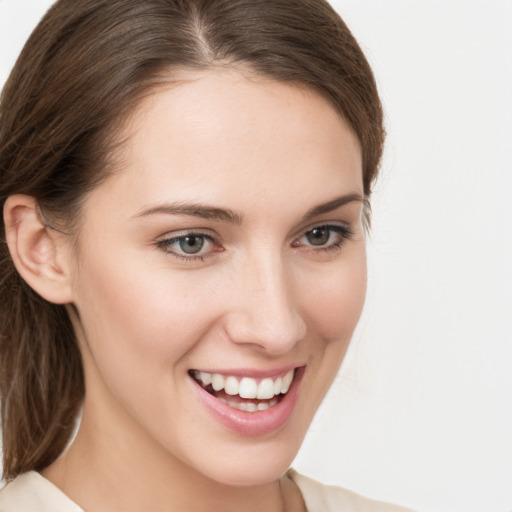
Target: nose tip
column 275, row 335
column 267, row 316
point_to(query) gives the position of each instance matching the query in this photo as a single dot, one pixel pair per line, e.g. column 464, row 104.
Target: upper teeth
column 247, row 387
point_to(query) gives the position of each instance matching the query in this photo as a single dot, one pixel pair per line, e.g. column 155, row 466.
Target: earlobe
column 38, row 251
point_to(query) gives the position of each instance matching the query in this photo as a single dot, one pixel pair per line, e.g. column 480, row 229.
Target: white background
column 421, row 413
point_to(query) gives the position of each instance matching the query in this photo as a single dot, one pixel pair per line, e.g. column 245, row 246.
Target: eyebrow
column 333, row 205
column 232, row 217
column 195, row 210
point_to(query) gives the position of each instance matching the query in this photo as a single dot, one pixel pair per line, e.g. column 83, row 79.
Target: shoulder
column 327, row 498
column 31, row 492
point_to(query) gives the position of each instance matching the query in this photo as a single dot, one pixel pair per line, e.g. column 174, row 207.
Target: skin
column 260, row 296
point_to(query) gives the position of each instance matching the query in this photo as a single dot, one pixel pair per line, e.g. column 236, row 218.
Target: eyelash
column 167, row 243
column 343, row 231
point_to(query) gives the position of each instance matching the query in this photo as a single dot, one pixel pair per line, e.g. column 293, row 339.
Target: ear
column 41, row 254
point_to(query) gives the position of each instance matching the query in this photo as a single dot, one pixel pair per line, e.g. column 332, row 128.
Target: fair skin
column 265, row 180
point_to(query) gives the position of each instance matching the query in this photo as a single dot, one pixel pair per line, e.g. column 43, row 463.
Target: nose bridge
column 267, row 313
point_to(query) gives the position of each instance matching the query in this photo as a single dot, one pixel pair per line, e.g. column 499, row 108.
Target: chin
column 247, row 471
column 252, row 462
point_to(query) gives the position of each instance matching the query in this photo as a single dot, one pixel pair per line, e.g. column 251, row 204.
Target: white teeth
column 217, row 381
column 277, row 386
column 231, row 386
column 248, row 388
column 266, row 389
column 205, row 377
column 248, row 406
column 287, row 380
column 251, row 407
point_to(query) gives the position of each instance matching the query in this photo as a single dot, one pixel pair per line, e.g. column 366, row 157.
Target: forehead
column 219, row 133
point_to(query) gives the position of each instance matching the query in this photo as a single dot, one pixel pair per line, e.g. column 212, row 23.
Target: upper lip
column 251, row 372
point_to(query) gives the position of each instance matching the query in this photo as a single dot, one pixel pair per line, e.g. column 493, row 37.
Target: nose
column 265, row 313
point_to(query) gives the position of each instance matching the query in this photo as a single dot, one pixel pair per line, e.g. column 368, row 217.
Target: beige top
column 31, row 492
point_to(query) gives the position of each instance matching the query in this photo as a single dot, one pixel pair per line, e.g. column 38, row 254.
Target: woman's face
column 225, row 257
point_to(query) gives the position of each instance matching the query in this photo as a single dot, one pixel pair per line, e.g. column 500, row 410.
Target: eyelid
column 325, row 224
column 207, row 233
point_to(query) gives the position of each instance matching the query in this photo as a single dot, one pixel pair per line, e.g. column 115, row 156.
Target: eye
column 191, row 244
column 188, row 245
column 318, row 236
column 327, row 236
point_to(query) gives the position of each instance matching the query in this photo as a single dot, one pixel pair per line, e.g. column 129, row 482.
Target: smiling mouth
column 245, row 394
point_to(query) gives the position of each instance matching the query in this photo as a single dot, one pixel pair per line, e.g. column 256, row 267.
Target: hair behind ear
column 41, row 377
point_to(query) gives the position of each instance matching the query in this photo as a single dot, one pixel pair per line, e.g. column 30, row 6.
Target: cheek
column 333, row 303
column 133, row 313
column 335, row 299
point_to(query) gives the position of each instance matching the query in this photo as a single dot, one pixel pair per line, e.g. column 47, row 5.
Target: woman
column 185, row 189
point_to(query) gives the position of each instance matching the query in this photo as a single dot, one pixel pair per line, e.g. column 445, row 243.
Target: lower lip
column 253, row 423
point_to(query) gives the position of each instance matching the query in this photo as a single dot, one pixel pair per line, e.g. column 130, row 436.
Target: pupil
column 318, row 236
column 191, row 244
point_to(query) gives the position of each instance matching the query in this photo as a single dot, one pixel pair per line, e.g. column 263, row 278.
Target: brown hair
column 80, row 74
